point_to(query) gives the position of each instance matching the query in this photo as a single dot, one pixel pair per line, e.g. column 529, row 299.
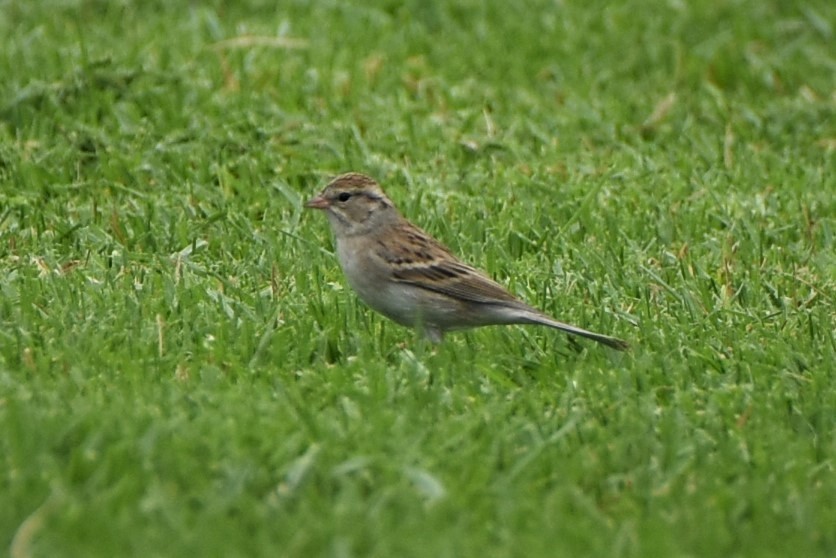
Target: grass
column 184, row 372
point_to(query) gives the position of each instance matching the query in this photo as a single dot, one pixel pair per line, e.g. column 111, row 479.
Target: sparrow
column 405, row 274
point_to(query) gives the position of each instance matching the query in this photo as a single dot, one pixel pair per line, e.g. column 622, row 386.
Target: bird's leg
column 433, row 333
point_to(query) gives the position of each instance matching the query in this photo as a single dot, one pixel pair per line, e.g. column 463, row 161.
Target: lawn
column 184, row 372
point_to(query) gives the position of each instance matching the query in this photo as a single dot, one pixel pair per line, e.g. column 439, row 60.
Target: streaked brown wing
column 420, row 260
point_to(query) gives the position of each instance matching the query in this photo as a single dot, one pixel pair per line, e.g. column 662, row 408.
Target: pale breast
column 370, row 278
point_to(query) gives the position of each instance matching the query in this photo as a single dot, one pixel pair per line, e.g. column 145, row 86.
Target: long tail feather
column 613, row 342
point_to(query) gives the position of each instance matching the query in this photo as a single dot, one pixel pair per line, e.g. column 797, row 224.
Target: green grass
column 183, row 371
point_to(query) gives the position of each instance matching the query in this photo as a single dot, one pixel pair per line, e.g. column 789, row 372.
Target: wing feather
column 418, row 259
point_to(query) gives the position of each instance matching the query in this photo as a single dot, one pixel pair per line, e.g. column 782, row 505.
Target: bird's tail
column 613, row 342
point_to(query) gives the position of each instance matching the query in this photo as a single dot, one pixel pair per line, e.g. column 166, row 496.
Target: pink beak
column 318, row 202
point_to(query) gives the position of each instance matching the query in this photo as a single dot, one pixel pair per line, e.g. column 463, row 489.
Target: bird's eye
column 344, row 197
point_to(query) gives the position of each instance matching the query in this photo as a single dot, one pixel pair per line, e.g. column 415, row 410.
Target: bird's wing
column 418, row 259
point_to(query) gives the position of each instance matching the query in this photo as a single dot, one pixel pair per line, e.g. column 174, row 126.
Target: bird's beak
column 318, row 202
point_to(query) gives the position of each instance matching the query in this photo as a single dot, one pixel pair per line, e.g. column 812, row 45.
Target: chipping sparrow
column 411, row 278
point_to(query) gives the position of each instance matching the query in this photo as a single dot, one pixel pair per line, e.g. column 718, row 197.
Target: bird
column 405, row 274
